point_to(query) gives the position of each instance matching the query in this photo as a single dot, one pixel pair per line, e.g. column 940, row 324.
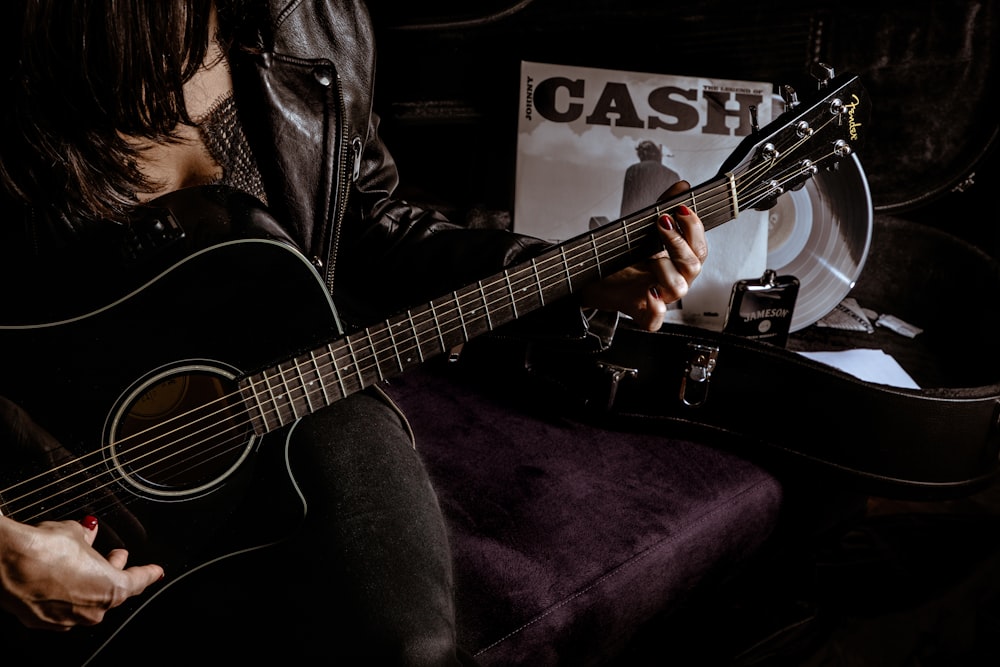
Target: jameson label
column 762, row 309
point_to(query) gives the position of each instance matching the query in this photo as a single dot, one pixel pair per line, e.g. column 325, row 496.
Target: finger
column 692, row 229
column 685, row 252
column 138, row 577
column 651, row 313
column 141, row 577
column 679, row 265
column 89, row 524
column 118, row 558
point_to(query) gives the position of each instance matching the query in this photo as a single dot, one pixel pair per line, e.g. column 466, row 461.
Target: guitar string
column 306, row 395
column 357, row 363
column 82, row 469
column 89, row 482
column 490, row 288
column 369, row 368
column 527, row 271
column 526, row 276
column 762, row 194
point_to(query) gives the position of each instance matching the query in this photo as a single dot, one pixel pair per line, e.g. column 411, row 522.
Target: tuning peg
column 823, row 74
column 790, row 96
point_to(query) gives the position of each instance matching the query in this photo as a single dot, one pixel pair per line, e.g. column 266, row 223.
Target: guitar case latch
column 701, row 361
column 613, row 374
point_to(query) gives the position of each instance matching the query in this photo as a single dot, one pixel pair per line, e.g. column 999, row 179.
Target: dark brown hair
column 83, row 73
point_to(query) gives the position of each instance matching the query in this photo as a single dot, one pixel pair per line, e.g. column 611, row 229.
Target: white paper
column 868, row 365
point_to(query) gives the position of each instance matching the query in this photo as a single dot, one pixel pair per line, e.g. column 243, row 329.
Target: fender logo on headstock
column 852, row 125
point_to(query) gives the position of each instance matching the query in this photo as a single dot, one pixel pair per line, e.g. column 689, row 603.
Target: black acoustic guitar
column 161, row 392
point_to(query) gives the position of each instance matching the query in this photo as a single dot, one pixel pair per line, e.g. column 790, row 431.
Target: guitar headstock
column 812, row 134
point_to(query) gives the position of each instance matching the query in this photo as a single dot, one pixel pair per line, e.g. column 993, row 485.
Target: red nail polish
column 667, row 222
column 89, row 522
column 683, row 210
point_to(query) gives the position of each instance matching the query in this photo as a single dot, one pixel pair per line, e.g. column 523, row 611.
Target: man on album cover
column 646, row 179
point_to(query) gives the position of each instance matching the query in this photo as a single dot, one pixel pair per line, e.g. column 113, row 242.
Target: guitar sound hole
column 182, row 434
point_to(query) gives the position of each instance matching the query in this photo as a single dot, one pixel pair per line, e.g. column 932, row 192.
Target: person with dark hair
column 646, row 180
column 113, row 106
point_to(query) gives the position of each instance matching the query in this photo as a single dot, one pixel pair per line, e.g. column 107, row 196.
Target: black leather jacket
column 305, row 95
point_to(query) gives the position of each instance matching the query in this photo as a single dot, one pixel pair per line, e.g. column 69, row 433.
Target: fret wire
column 395, row 348
column 371, row 346
column 286, row 396
column 417, row 324
column 538, row 281
column 252, row 385
column 413, row 334
column 289, row 393
column 597, row 254
column 336, row 366
column 461, row 317
column 510, row 290
column 437, row 327
column 305, row 386
column 416, row 336
column 274, row 399
column 628, row 241
column 524, row 282
column 269, row 398
column 471, row 308
column 319, row 376
column 479, row 315
column 569, row 275
column 486, row 305
column 354, row 360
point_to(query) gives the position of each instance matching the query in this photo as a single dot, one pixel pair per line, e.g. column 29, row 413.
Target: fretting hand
column 642, row 291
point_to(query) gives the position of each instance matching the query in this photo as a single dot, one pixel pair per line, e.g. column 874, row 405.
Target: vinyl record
column 820, row 234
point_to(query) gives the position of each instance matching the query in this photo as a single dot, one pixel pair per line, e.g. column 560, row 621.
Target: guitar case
column 932, row 263
column 942, row 439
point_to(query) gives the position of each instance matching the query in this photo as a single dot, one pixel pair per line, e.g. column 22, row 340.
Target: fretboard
column 299, row 386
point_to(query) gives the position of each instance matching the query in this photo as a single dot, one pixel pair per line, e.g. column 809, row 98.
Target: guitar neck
column 279, row 395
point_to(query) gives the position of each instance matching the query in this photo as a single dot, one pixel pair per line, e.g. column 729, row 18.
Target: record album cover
column 594, row 145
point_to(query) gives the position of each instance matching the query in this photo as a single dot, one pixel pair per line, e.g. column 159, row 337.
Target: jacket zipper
column 349, row 162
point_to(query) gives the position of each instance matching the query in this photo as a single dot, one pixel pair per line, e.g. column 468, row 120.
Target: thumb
column 140, row 577
column 674, row 190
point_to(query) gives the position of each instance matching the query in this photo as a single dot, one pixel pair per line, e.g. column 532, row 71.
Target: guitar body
column 112, row 384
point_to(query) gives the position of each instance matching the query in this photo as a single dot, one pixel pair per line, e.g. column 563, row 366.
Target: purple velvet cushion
column 567, row 537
